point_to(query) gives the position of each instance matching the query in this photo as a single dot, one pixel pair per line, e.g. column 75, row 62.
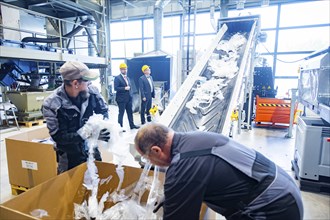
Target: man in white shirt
column 147, row 91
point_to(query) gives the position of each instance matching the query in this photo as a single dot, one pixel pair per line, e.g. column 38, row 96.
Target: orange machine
column 272, row 110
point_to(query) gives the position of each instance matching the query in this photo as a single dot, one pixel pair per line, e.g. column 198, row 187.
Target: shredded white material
column 127, row 205
column 223, row 67
column 39, row 213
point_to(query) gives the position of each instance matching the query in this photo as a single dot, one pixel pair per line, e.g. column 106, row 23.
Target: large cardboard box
column 30, row 163
column 58, row 195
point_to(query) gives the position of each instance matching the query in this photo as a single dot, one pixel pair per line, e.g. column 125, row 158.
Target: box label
column 29, row 165
column 40, row 98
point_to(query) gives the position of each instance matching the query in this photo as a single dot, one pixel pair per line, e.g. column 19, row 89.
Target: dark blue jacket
column 122, row 95
column 64, row 119
column 145, row 89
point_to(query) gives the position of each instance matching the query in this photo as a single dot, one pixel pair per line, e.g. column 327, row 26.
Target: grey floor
column 271, row 142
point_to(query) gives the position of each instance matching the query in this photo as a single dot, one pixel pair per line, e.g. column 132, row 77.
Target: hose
column 57, row 39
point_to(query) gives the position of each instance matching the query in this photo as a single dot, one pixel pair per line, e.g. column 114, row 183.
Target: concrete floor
column 269, row 141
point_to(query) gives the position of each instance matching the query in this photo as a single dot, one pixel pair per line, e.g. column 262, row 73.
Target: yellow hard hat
column 144, row 67
column 123, row 66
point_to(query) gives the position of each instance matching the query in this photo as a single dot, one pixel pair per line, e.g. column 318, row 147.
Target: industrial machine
column 311, row 162
column 36, row 38
column 219, row 82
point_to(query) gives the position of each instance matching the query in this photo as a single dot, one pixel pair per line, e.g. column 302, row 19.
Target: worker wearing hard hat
column 233, row 180
column 123, row 90
column 68, row 109
column 147, row 92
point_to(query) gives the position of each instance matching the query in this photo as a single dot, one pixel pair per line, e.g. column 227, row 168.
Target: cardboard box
column 58, row 195
column 30, row 163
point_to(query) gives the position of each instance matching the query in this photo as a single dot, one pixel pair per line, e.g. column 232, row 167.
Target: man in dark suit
column 147, row 91
column 122, row 86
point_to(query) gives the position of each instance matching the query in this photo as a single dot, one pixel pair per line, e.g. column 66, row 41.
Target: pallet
column 31, row 123
column 16, row 190
column 271, row 125
column 322, row 186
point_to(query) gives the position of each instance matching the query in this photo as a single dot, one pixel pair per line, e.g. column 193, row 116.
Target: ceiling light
column 240, row 4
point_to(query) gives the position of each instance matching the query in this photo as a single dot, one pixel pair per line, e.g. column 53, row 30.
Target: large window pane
column 265, row 60
column 149, row 45
column 117, row 49
column 171, row 26
column 288, row 65
column 115, row 66
column 125, row 48
column 204, row 25
column 203, row 42
column 148, row 28
column 304, row 39
column 171, row 45
column 126, row 30
column 116, row 30
column 133, row 29
column 308, row 13
column 284, row 85
column 268, row 15
column 133, row 46
column 269, row 45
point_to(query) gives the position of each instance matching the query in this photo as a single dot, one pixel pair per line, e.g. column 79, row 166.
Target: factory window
column 268, row 15
column 307, row 13
column 171, row 26
column 148, row 28
column 203, row 42
column 126, row 30
column 148, row 45
column 115, row 66
column 268, row 46
column 264, row 60
column 171, row 45
column 125, row 48
column 284, row 86
column 204, row 25
column 303, row 39
column 288, row 64
column 117, row 30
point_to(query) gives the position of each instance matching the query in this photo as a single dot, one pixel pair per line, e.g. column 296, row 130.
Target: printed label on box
column 29, row 165
column 40, row 98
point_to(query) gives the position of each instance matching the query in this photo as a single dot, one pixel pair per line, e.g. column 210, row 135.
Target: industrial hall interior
column 165, row 109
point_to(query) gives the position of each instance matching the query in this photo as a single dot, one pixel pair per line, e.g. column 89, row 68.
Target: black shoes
column 135, row 127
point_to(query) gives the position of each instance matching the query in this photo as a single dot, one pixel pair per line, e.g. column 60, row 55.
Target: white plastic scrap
column 155, row 193
column 205, row 94
column 105, row 180
column 127, row 206
column 39, row 213
column 128, row 209
column 224, row 68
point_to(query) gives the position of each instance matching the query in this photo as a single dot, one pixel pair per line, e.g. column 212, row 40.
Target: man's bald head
column 152, row 134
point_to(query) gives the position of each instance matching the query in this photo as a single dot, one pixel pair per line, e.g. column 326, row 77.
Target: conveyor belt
column 215, row 115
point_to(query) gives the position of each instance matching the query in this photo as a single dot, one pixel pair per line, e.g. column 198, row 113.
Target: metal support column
column 293, row 104
column 188, row 36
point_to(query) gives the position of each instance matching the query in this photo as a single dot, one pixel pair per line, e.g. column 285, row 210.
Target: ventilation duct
column 158, row 23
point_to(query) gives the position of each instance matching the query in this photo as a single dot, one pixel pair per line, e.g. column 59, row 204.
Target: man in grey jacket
column 68, row 109
column 233, row 180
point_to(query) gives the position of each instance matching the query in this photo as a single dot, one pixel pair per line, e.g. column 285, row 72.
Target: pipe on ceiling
column 158, row 23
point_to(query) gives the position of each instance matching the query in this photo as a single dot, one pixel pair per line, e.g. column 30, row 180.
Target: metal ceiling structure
column 58, row 8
